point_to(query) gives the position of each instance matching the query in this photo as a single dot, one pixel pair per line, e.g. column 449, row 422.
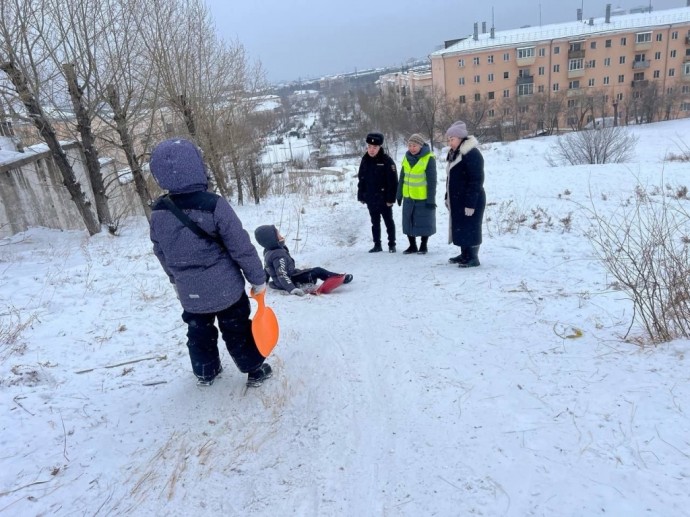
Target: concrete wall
column 32, row 192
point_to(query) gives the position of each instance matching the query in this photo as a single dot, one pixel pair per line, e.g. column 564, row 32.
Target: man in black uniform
column 377, row 187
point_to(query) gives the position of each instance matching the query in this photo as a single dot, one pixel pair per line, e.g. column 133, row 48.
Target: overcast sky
column 309, row 38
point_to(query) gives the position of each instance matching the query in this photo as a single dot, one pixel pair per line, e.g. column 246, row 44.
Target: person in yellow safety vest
column 417, row 194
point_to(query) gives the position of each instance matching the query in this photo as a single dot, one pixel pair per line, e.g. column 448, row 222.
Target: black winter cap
column 375, row 139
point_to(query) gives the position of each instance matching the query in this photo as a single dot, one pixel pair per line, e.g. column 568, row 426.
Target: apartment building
column 616, row 57
column 405, row 84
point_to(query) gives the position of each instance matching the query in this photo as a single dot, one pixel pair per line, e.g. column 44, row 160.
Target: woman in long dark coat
column 465, row 196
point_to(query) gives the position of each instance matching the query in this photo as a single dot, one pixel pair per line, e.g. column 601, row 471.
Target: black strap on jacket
column 184, row 219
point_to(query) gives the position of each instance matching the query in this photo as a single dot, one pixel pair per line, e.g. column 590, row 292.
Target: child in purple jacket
column 209, row 271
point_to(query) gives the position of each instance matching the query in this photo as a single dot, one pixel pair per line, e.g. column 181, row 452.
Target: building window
column 476, row 79
column 619, row 96
column 624, row 42
column 607, row 44
column 590, row 82
column 572, row 121
column 506, row 75
column 525, row 89
column 461, row 99
column 491, row 78
column 574, row 85
column 475, row 60
column 606, row 80
column 556, row 50
column 643, row 37
column 685, row 106
column 461, row 81
column 525, row 52
column 572, row 103
column 671, row 72
column 657, row 55
column 490, row 59
column 591, row 63
column 607, row 61
column 491, row 96
column 506, row 94
column 621, row 60
column 542, row 52
column 575, row 64
column 541, row 70
column 687, row 52
column 492, row 113
column 674, row 35
column 523, row 109
column 669, row 91
column 686, row 89
column 461, row 63
column 540, row 88
column 506, row 56
column 621, row 78
column 659, row 37
column 556, row 68
column 593, row 45
column 555, row 87
column 638, row 76
column 686, row 69
column 656, row 74
column 673, row 53
column 477, row 97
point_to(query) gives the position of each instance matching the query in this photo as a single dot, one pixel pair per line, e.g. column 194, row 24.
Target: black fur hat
column 375, row 139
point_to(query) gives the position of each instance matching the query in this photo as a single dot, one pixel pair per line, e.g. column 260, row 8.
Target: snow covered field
column 418, row 389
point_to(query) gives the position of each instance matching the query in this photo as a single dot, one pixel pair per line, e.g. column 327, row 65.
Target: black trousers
column 376, row 212
column 311, row 275
column 236, row 329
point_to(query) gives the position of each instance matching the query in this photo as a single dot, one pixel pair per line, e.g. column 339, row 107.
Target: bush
column 645, row 247
column 606, row 145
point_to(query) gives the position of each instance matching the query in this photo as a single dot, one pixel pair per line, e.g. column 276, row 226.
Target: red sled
column 329, row 285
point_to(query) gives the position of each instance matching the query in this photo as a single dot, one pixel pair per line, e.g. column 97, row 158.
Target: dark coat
column 279, row 264
column 419, row 216
column 377, row 180
column 465, row 189
column 209, row 277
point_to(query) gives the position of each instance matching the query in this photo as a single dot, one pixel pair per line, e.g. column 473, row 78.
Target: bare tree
column 604, row 145
column 25, row 57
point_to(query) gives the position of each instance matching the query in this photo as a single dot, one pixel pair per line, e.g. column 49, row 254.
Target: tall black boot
column 462, row 258
column 473, row 258
column 422, row 247
column 413, row 245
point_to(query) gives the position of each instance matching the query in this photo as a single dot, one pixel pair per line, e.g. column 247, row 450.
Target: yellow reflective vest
column 414, row 178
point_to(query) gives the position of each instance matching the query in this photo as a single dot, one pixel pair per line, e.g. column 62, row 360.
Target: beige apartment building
column 630, row 67
column 404, row 85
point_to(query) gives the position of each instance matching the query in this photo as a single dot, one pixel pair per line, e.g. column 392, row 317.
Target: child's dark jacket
column 278, row 263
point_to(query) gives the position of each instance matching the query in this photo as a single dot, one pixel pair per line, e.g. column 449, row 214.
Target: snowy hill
column 418, row 389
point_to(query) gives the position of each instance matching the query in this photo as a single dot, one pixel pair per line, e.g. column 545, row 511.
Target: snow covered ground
column 418, row 389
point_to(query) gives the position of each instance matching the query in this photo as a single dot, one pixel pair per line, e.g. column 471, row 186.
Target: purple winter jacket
column 209, row 277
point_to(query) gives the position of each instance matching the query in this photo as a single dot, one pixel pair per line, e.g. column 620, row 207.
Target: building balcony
column 574, row 92
column 641, row 64
column 572, row 74
column 647, row 45
column 525, row 79
column 526, row 61
column 576, row 54
column 640, row 84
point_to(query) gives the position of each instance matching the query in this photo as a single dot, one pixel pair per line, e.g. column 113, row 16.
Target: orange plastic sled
column 265, row 327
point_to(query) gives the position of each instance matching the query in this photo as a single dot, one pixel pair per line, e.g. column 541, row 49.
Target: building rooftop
column 568, row 30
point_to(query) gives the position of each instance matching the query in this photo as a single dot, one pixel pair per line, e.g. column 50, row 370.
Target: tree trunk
column 76, row 93
column 48, row 134
column 120, row 119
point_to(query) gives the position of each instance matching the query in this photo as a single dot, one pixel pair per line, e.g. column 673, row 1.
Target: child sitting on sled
column 280, row 266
